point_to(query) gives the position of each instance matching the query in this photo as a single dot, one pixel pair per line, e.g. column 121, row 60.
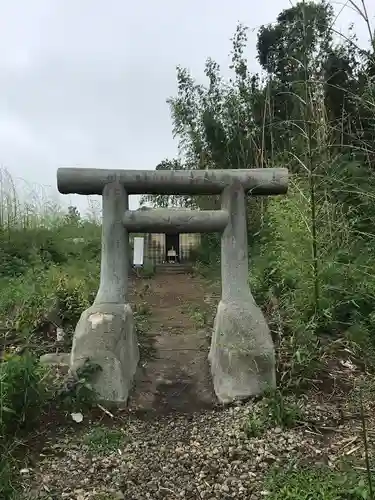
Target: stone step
column 174, row 268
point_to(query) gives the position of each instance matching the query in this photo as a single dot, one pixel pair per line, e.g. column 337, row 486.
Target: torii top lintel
column 255, row 181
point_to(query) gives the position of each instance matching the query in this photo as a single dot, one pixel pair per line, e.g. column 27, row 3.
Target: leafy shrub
column 41, row 247
column 28, row 302
column 281, row 412
column 254, row 426
column 75, row 291
column 282, row 272
column 147, row 270
column 75, row 392
column 27, row 391
column 199, row 315
column 208, row 252
column 275, row 410
column 8, row 488
column 22, row 393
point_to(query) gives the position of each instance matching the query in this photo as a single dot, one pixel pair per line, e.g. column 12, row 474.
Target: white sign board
column 138, row 251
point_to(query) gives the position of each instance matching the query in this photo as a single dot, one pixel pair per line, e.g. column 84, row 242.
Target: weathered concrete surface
column 115, row 247
column 105, row 335
column 242, row 354
column 165, row 220
column 257, row 181
column 234, row 249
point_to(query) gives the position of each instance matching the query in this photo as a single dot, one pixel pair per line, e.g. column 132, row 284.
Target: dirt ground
column 180, row 310
column 173, row 441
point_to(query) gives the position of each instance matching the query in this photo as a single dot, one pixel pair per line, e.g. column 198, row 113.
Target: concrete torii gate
column 242, row 354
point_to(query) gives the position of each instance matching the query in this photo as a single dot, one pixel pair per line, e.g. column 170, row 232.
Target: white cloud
column 85, row 82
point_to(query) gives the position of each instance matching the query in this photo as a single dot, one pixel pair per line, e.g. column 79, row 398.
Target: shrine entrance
column 172, row 247
column 242, row 355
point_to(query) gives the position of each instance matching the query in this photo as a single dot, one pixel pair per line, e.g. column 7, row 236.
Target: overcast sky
column 84, row 82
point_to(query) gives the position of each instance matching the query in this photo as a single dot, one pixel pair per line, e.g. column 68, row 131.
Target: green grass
column 316, row 483
column 142, row 313
column 198, row 315
column 104, row 440
column 275, row 410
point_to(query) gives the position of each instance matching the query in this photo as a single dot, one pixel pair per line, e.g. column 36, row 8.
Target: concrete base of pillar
column 105, row 334
column 242, row 356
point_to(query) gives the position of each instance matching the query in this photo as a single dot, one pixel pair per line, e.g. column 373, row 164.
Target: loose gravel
column 206, row 455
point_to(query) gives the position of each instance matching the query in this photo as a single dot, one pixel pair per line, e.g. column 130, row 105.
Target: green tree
column 163, row 200
column 313, row 111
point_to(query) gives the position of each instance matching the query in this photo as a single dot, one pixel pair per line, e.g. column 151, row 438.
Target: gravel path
column 206, row 455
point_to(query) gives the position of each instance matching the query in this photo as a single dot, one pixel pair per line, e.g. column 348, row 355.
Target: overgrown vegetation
column 276, row 410
column 319, row 484
column 310, row 109
column 49, row 274
column 29, row 393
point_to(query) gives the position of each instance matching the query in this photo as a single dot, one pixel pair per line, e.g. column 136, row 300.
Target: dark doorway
column 172, row 242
